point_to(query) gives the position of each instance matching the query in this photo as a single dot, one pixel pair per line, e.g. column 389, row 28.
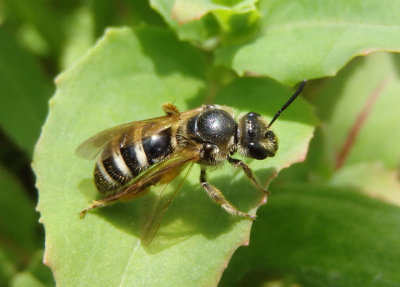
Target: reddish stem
column 360, row 120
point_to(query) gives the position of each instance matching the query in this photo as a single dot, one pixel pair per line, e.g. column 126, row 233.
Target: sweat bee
column 135, row 156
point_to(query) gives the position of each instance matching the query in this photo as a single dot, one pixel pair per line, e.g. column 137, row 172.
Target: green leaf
column 371, row 178
column 309, row 40
column 207, row 23
column 25, row 92
column 359, row 109
column 79, row 36
column 199, row 31
column 126, row 77
column 358, row 116
column 320, row 236
column 318, row 166
column 36, row 274
column 25, row 279
column 184, row 11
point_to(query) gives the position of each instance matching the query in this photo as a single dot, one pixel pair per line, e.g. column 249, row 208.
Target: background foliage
column 331, row 220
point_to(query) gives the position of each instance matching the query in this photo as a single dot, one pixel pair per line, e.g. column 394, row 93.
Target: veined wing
column 136, row 131
column 162, row 172
column 152, row 224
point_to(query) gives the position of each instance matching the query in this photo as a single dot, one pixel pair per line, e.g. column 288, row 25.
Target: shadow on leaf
column 191, row 213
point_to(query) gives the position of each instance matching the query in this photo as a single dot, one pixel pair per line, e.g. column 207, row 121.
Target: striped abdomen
column 115, row 170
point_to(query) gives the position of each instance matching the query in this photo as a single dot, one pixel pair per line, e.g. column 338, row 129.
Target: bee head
column 255, row 138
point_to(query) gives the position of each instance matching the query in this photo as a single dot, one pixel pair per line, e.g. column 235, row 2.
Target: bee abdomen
column 157, row 147
column 111, row 172
column 102, row 179
column 118, row 169
column 134, row 158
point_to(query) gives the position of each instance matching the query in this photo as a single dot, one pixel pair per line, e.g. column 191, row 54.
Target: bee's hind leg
column 171, row 110
column 95, row 204
column 216, row 195
column 124, row 194
column 100, row 203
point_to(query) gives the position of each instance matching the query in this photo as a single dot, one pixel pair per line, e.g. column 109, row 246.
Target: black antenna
column 292, row 98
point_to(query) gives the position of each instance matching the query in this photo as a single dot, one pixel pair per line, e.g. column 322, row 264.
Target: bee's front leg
column 248, row 172
column 216, row 195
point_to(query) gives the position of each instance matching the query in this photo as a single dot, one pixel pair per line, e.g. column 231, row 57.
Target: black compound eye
column 270, row 135
column 252, row 127
column 257, row 151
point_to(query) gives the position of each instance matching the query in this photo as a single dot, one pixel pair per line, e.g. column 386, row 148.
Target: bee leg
column 123, row 195
column 216, row 195
column 171, row 110
column 95, row 204
column 248, row 172
column 104, row 202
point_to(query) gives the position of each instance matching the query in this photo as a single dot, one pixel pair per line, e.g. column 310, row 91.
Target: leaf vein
column 123, row 278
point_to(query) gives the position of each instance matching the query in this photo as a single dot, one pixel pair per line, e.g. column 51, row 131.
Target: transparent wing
column 90, row 148
column 152, row 224
column 163, row 172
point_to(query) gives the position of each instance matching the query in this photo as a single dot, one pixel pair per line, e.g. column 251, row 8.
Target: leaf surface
column 307, row 40
column 358, row 115
column 206, row 23
column 366, row 100
column 185, row 11
column 371, row 178
column 199, row 30
column 126, row 77
column 320, row 236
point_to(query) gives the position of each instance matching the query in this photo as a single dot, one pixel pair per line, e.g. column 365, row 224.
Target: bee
column 135, row 156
